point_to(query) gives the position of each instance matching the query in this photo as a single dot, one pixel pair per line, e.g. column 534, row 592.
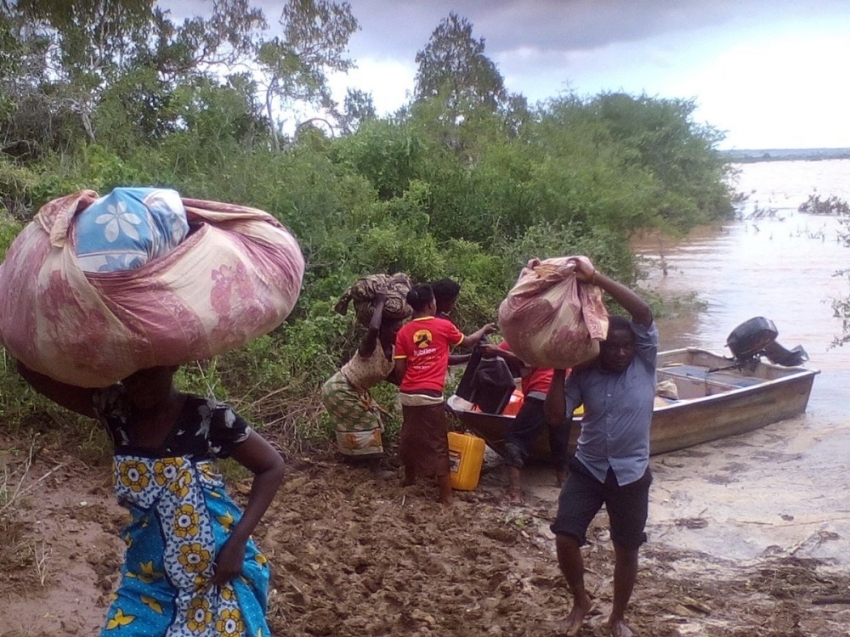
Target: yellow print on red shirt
column 422, row 338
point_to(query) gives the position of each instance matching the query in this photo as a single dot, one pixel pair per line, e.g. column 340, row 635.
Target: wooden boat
column 717, row 397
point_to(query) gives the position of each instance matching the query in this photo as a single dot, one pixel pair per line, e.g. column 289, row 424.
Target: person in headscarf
column 346, row 396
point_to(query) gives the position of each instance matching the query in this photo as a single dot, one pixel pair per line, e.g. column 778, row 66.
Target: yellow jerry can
column 466, row 455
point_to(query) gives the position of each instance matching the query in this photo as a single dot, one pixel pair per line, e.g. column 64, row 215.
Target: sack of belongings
column 362, row 293
column 234, row 274
column 550, row 318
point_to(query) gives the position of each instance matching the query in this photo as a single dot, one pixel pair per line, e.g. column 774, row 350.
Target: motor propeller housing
column 757, row 337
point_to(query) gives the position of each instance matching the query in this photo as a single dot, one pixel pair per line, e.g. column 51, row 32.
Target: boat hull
column 716, row 401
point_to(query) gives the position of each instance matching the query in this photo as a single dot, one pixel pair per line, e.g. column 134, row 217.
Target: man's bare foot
column 514, row 497
column 581, row 607
column 619, row 628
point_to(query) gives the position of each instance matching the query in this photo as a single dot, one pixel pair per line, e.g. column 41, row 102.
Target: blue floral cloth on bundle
column 129, row 227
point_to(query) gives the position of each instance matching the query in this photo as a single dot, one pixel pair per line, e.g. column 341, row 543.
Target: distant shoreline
column 784, row 154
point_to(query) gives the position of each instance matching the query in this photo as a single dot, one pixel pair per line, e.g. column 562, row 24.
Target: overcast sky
column 771, row 73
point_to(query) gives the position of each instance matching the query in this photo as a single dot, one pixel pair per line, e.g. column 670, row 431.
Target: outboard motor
column 757, row 337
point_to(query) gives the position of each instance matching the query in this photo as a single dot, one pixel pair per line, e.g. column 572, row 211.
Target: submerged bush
column 814, row 205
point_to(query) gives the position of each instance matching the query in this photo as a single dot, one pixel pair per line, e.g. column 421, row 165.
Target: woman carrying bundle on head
column 422, row 358
column 190, row 566
column 101, row 300
column 346, row 395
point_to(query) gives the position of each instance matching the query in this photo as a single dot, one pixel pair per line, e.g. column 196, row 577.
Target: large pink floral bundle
column 236, row 276
column 550, row 319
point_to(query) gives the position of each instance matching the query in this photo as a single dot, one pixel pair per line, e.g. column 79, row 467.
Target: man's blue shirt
column 617, row 411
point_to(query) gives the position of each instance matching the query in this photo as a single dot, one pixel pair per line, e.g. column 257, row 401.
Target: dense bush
column 465, row 189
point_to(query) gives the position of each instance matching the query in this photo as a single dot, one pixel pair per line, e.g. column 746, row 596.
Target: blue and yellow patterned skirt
column 181, row 517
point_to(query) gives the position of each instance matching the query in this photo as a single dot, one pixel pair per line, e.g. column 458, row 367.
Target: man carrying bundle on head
column 611, row 463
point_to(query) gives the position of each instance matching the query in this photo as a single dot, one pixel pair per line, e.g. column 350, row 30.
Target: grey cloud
column 399, row 28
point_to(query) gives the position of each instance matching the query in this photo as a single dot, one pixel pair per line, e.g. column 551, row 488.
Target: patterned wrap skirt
column 181, row 517
column 356, row 415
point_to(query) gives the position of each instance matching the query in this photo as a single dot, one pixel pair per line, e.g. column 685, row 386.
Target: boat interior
column 693, row 381
column 682, row 375
column 697, row 373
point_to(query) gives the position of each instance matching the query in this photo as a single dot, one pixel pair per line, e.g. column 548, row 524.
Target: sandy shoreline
column 358, row 556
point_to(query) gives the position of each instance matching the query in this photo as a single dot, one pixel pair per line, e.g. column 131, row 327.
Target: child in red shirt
column 422, row 358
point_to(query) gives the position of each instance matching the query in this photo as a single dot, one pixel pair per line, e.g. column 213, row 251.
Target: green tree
column 294, row 66
column 30, row 118
column 217, row 122
column 678, row 152
column 357, row 107
column 89, row 41
column 453, row 67
column 70, row 53
column 388, row 154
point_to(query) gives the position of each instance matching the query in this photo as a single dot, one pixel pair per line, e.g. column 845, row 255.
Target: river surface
column 785, row 489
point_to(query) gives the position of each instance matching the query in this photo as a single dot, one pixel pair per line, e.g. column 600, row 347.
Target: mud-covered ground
column 355, row 554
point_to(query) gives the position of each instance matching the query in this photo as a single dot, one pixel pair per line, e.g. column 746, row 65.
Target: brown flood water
column 782, row 490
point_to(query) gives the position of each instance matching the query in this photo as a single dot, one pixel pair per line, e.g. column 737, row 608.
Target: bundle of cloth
column 363, row 292
column 550, row 318
column 129, row 227
column 95, row 289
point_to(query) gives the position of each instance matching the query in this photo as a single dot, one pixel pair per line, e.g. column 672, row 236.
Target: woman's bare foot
column 619, row 628
column 581, row 607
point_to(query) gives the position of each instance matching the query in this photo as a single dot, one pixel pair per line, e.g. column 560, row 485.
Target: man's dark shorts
column 583, row 495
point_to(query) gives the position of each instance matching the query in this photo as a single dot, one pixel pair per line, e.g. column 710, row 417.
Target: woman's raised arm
column 78, row 399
